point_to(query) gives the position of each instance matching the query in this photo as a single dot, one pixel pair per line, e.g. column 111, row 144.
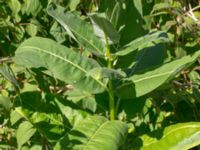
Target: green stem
column 110, row 85
column 111, row 101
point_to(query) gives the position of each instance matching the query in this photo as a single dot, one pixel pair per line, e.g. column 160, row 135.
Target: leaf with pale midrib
column 147, row 80
column 62, row 62
column 142, row 42
column 77, row 28
column 182, row 136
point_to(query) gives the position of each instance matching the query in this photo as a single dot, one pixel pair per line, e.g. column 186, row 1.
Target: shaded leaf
column 73, row 114
column 43, row 114
column 131, row 22
column 149, row 57
column 94, row 133
column 115, row 17
column 8, row 74
column 107, row 6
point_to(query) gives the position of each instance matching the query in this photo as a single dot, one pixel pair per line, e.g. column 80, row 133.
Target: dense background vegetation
column 99, row 74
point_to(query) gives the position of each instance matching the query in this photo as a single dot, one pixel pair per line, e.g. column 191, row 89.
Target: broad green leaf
column 25, row 147
column 86, row 101
column 4, row 145
column 73, row 4
column 39, row 25
column 29, row 87
column 58, row 32
column 115, row 16
column 138, row 5
column 18, row 32
column 36, row 147
column 76, row 94
column 62, row 62
column 15, row 117
column 131, row 22
column 94, row 133
column 24, row 133
column 182, row 136
column 43, row 113
column 161, row 6
column 77, row 28
column 142, row 42
column 146, row 81
column 8, row 74
column 15, row 6
column 73, row 114
column 31, row 29
column 89, row 103
column 152, row 55
column 107, row 6
column 32, row 7
column 104, row 29
column 149, row 57
column 112, row 74
column 5, row 102
column 194, row 76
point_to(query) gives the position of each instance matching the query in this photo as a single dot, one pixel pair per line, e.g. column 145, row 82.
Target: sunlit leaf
column 182, row 136
column 77, row 28
column 146, row 81
column 15, row 6
column 5, row 102
column 143, row 41
column 62, row 62
column 24, row 133
column 104, row 29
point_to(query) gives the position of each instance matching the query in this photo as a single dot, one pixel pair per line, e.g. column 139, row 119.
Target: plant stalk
column 110, row 84
column 111, row 95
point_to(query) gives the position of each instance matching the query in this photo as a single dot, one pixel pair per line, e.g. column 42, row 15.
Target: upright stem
column 111, row 99
column 110, row 85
